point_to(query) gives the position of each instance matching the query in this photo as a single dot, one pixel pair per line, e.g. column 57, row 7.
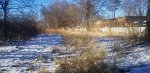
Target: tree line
column 16, row 20
column 64, row 14
column 85, row 12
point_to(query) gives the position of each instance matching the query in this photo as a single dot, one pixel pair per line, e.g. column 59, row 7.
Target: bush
column 43, row 70
column 18, row 28
column 90, row 61
column 91, row 58
column 77, row 41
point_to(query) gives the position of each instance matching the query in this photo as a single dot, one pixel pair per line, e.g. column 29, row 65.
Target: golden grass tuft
column 90, row 61
column 43, row 70
column 73, row 32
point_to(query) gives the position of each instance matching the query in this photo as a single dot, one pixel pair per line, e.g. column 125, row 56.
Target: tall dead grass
column 43, row 70
column 73, row 32
column 90, row 60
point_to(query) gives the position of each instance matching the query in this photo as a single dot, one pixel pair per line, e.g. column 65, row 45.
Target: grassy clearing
column 96, row 32
column 73, row 32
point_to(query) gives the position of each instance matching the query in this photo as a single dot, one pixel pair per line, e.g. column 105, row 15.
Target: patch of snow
column 27, row 53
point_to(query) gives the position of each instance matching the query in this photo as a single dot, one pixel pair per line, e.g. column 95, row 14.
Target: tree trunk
column 5, row 15
column 4, row 25
column 87, row 25
column 148, row 19
column 114, row 14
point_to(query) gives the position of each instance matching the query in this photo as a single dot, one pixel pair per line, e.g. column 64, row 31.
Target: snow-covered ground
column 136, row 61
column 20, row 59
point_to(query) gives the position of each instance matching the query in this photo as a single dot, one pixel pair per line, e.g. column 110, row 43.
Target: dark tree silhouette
column 148, row 19
column 114, row 6
column 4, row 7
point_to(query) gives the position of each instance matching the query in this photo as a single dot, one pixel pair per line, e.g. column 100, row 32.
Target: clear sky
column 107, row 14
column 48, row 2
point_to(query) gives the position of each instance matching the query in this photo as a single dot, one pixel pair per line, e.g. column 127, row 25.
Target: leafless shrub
column 61, row 15
column 20, row 28
column 43, row 70
column 76, row 40
column 90, row 60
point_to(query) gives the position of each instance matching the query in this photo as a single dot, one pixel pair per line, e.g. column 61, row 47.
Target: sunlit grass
column 98, row 32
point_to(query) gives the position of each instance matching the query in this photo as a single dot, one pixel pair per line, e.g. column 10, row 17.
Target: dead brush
column 53, row 31
column 43, row 70
column 134, row 39
column 91, row 60
column 77, row 41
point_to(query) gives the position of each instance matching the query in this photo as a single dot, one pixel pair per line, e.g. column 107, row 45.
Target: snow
column 121, row 31
column 136, row 61
column 15, row 59
column 145, row 69
column 27, row 52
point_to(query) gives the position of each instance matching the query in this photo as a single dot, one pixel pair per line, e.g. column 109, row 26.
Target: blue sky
column 40, row 3
column 108, row 14
column 48, row 2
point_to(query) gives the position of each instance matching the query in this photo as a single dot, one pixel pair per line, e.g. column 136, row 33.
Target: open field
column 73, row 32
column 98, row 32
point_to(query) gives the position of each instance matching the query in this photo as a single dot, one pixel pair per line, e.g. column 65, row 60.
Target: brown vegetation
column 61, row 14
column 19, row 28
column 89, row 60
column 74, row 32
column 43, row 70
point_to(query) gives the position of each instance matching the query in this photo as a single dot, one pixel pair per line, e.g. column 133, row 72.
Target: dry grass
column 90, row 60
column 77, row 41
column 43, row 70
column 96, row 32
column 73, row 32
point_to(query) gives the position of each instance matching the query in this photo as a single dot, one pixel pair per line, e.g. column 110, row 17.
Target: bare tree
column 114, row 6
column 4, row 5
column 62, row 14
column 18, row 5
column 71, row 16
column 52, row 14
column 134, row 7
column 89, row 9
column 148, row 19
column 8, row 6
